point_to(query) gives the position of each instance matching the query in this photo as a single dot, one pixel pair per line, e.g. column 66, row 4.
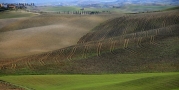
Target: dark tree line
column 74, row 12
column 79, row 12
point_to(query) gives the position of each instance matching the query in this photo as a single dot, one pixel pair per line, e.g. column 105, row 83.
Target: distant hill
column 173, row 8
column 88, row 2
column 134, row 43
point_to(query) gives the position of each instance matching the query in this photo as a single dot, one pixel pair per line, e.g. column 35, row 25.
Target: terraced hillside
column 134, row 43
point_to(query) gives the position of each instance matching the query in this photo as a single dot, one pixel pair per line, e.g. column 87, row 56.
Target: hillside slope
column 150, row 45
column 43, row 33
column 131, row 24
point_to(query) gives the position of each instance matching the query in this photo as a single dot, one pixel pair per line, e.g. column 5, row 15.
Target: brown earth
column 30, row 36
column 39, row 39
column 4, row 86
column 5, row 22
column 131, row 24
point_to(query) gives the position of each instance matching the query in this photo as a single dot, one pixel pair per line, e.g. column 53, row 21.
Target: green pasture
column 139, row 8
column 144, row 8
column 172, row 8
column 15, row 14
column 124, row 9
column 140, row 81
column 69, row 8
column 60, row 8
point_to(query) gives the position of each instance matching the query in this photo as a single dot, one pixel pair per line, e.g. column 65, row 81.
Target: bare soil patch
column 38, row 39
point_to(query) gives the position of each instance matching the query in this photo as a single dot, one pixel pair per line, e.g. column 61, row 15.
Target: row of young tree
column 78, row 12
column 73, row 12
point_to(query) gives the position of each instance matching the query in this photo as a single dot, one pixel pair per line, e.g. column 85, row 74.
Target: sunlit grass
column 141, row 81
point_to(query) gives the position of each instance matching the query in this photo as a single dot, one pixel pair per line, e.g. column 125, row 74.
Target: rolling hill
column 134, row 43
column 34, row 35
column 131, row 24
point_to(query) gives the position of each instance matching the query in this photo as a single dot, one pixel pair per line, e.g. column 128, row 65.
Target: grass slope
column 63, row 8
column 173, row 8
column 15, row 14
column 144, row 8
column 147, row 81
column 123, row 9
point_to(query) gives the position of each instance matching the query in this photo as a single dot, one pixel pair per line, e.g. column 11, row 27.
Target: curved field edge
column 140, row 81
column 9, row 86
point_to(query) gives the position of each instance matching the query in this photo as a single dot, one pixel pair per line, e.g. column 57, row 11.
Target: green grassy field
column 141, row 81
column 144, row 8
column 68, row 8
column 62, row 8
column 124, row 9
column 15, row 14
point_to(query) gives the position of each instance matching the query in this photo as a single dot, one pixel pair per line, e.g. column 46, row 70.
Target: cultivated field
column 133, row 43
column 90, row 52
column 141, row 81
column 42, row 33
